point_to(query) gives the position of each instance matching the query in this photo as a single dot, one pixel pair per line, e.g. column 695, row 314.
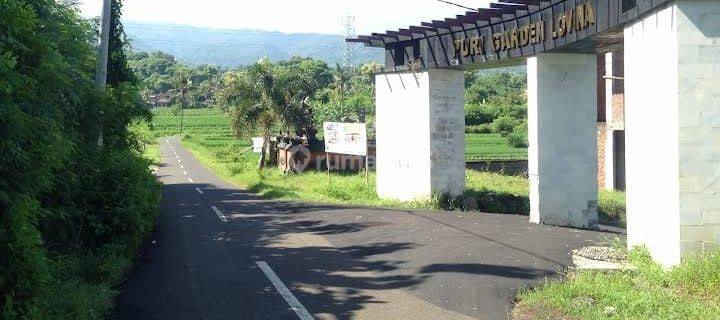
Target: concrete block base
column 562, row 155
column 672, row 86
column 420, row 128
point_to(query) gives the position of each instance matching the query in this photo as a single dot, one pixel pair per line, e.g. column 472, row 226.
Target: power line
column 458, row 5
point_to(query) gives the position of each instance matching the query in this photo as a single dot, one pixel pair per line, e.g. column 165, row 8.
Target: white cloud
column 321, row 16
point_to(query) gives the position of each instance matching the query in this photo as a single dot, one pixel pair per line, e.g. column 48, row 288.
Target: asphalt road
column 223, row 253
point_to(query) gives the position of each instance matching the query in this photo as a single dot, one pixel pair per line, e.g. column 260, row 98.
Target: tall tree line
column 71, row 216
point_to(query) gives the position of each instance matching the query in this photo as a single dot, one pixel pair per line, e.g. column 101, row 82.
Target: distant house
column 158, row 100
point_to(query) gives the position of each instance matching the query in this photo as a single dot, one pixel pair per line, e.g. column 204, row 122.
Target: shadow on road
column 317, row 251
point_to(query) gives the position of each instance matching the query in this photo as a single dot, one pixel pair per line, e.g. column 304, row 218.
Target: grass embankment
column 495, row 193
column 226, row 158
column 689, row 291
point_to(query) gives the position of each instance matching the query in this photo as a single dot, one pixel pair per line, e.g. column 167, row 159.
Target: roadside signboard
column 257, row 144
column 345, row 138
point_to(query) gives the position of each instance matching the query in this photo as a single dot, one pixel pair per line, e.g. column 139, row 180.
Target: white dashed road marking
column 299, row 309
column 199, row 191
column 190, row 180
column 220, row 215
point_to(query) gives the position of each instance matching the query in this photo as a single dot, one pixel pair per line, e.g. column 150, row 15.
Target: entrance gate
column 672, row 97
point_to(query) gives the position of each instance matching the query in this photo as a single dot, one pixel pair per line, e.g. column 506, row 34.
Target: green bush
column 71, row 215
column 518, row 138
column 176, row 109
column 505, row 125
column 611, row 208
column 476, row 114
column 482, row 129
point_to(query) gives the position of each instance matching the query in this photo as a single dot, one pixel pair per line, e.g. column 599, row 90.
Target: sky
column 289, row 16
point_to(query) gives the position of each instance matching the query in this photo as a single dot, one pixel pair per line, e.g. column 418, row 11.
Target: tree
column 267, row 97
column 182, row 83
column 62, row 199
column 341, row 82
column 118, row 69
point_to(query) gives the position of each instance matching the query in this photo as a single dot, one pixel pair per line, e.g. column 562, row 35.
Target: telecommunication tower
column 349, row 48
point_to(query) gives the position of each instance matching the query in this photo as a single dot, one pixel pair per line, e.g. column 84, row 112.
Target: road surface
column 223, row 253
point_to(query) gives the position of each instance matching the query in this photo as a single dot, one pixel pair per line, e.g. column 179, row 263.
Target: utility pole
column 101, row 69
column 182, row 109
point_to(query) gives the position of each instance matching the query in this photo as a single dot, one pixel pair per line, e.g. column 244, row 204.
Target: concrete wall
column 562, row 115
column 672, row 91
column 699, row 102
column 447, row 131
column 420, row 129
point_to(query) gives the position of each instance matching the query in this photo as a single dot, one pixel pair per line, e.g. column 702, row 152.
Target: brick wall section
column 618, row 110
column 601, row 135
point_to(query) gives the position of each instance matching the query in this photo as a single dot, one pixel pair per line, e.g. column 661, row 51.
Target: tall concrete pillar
column 672, row 90
column 420, row 129
column 562, row 117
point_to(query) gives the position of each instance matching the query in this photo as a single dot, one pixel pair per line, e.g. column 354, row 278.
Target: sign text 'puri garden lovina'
column 671, row 119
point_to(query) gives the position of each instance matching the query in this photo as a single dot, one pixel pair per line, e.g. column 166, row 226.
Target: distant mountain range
column 232, row 48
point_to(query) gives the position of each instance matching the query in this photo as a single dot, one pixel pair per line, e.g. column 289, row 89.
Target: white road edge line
column 299, row 309
column 190, row 180
column 199, row 191
column 222, row 217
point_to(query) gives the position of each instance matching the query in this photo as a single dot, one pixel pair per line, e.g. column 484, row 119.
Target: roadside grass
column 147, row 140
column 495, row 193
column 84, row 282
column 611, row 208
column 229, row 162
column 208, row 135
column 689, row 291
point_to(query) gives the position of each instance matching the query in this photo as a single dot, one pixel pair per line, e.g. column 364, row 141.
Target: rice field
column 214, row 128
column 490, row 146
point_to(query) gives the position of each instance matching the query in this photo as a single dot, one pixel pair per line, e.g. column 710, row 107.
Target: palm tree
column 341, row 82
column 266, row 97
column 181, row 82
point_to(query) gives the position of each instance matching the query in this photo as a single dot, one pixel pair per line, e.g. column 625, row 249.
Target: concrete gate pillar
column 672, row 87
column 562, row 116
column 420, row 129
